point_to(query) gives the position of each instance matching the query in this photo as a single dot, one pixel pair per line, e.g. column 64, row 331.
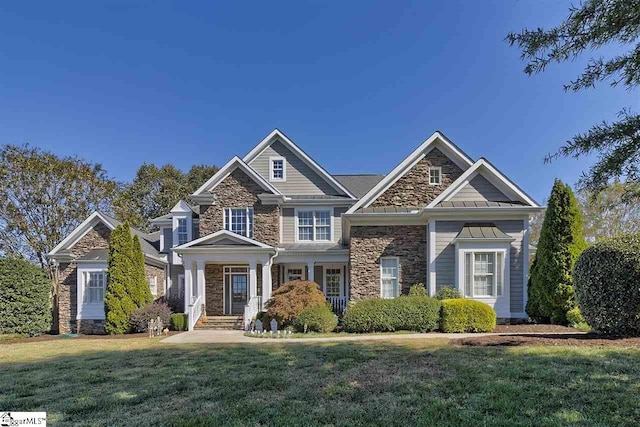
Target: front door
column 236, row 281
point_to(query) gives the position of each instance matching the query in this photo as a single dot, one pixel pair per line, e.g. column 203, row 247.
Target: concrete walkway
column 238, row 337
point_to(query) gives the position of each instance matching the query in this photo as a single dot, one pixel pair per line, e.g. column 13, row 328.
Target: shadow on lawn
column 329, row 383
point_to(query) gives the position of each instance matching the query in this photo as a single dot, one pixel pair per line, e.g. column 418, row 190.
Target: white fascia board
column 406, row 165
column 226, row 250
column 181, row 206
column 80, row 231
column 220, row 235
column 496, row 213
column 266, row 142
column 226, row 170
column 316, row 202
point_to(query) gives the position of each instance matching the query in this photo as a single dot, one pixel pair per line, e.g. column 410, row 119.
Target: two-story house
column 275, row 215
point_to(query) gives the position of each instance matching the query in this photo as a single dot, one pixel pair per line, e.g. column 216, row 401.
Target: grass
column 419, row 382
column 6, row 337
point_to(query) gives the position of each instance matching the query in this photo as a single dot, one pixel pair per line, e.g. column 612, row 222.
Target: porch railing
column 338, row 304
column 251, row 310
column 195, row 311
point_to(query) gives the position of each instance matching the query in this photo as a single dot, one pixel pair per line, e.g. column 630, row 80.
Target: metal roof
column 479, row 204
column 485, row 230
column 359, row 185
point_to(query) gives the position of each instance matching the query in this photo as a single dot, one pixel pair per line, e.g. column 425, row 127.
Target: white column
column 200, row 279
column 253, row 279
column 266, row 282
column 187, row 285
column 311, row 271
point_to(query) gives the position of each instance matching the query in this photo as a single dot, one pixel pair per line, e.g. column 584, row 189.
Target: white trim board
column 223, row 234
column 450, row 149
column 276, row 134
column 225, row 171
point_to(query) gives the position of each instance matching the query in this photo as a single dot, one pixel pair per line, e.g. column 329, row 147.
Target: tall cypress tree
column 118, row 304
column 551, row 293
column 140, row 292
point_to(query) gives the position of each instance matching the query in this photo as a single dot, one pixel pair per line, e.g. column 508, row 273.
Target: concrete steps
column 220, row 323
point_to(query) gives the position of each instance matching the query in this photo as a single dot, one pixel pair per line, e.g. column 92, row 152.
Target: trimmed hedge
column 447, row 292
column 318, row 318
column 25, row 306
column 179, row 322
column 607, row 285
column 466, row 315
column 290, row 299
column 409, row 313
column 140, row 317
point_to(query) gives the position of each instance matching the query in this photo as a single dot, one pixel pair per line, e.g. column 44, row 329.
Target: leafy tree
column 592, row 25
column 551, row 292
column 141, row 294
column 44, row 197
column 25, row 303
column 155, row 190
column 607, row 214
column 118, row 304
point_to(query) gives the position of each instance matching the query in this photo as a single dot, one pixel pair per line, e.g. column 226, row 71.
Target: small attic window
column 435, row 175
column 277, row 169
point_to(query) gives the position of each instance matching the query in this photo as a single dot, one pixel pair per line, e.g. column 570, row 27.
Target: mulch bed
column 48, row 337
column 565, row 339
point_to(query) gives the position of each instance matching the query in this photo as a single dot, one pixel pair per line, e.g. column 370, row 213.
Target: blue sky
column 358, row 85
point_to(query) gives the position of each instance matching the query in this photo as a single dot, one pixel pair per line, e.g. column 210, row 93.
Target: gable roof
column 148, row 242
column 437, row 139
column 493, row 175
column 224, row 238
column 277, row 135
column 233, row 164
column 359, row 184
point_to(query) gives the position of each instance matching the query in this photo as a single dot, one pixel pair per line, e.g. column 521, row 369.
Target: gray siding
column 446, row 231
column 301, row 179
column 289, row 224
column 479, row 189
column 167, row 234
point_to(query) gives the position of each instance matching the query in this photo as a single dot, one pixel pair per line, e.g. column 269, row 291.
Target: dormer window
column 435, row 175
column 183, row 234
column 277, row 169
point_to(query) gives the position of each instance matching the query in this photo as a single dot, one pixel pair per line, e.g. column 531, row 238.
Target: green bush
column 25, row 306
column 118, row 304
column 466, row 315
column 140, row 317
column 179, row 322
column 409, row 313
column 607, row 284
column 447, row 292
column 574, row 316
column 418, row 290
column 318, row 318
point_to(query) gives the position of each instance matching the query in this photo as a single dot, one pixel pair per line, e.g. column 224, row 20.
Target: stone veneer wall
column 214, row 281
column 96, row 238
column 152, row 270
column 369, row 243
column 413, row 188
column 236, row 191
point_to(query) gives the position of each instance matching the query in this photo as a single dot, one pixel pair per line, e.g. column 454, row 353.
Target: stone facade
column 214, row 294
column 158, row 272
column 89, row 327
column 369, row 243
column 238, row 190
column 413, row 188
column 96, row 238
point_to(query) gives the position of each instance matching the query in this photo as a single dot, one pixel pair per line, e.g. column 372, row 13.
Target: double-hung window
column 153, row 285
column 389, row 277
column 239, row 221
column 333, row 282
column 183, row 235
column 314, row 226
column 435, row 175
column 483, row 274
column 94, row 285
column 277, row 169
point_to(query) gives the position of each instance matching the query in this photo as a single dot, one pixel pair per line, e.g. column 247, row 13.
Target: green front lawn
column 420, row 382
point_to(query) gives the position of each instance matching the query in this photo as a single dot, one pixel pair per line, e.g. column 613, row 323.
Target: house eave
column 227, row 250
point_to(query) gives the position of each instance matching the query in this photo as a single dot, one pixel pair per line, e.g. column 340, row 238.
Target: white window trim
column 189, row 222
column 398, row 290
column 314, row 240
column 284, row 169
column 505, row 248
column 439, row 169
column 326, row 267
column 253, row 222
column 302, row 267
column 89, row 310
column 153, row 288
